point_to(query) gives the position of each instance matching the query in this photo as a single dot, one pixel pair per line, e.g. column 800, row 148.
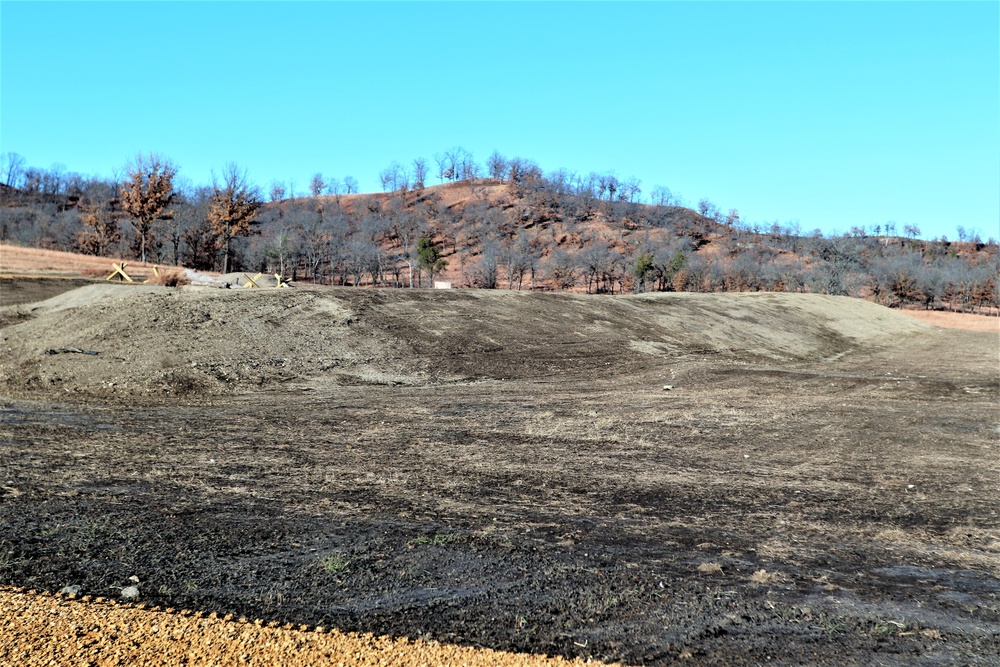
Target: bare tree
column 146, row 193
column 468, row 169
column 187, row 215
column 277, row 191
column 350, row 185
column 708, row 210
column 496, row 165
column 630, row 190
column 419, row 173
column 11, row 168
column 233, row 207
column 483, row 273
column 662, row 196
column 385, row 178
column 317, row 184
column 562, row 267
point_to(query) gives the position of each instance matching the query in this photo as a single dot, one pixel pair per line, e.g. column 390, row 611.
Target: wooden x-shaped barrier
column 119, row 270
column 252, row 282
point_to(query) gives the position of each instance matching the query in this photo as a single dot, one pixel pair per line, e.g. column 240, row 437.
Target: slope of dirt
column 161, row 341
column 38, row 630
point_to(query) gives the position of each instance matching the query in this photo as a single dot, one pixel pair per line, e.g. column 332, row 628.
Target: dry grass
column 169, row 277
column 32, row 261
column 947, row 320
column 764, row 577
column 710, row 568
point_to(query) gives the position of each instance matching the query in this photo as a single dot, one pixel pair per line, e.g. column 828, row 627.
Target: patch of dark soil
column 728, row 521
column 17, row 290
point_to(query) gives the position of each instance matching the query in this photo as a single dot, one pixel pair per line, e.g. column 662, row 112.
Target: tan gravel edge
column 47, row 629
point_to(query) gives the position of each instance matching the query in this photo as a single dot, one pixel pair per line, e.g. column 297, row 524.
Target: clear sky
column 829, row 114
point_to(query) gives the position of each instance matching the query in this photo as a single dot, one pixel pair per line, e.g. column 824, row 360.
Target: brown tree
column 102, row 228
column 233, row 207
column 147, row 191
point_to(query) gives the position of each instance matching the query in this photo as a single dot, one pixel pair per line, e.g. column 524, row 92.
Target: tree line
column 504, row 223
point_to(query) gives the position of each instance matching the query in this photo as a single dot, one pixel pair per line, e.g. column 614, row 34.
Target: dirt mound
column 45, row 630
column 160, row 341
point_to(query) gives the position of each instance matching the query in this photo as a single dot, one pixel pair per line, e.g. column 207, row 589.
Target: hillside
column 530, row 232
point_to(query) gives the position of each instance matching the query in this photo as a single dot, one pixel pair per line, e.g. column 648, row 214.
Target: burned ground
column 818, row 486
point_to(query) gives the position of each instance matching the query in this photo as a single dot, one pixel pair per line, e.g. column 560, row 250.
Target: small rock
column 70, row 590
column 668, row 387
column 130, row 592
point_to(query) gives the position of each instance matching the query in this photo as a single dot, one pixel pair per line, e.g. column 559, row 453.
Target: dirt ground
column 708, row 479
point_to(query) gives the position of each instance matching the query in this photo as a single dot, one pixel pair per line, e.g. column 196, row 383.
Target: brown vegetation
column 34, row 261
column 146, row 193
column 952, row 320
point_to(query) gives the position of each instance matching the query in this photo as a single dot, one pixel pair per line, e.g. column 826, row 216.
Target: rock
column 70, row 590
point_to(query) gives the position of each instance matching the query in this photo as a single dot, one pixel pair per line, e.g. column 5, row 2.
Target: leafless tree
column 419, row 173
column 662, row 196
column 562, row 267
column 630, row 190
column 468, row 169
column 334, row 187
column 496, row 165
column 317, row 184
column 12, row 168
column 277, row 191
column 350, row 185
column 444, row 171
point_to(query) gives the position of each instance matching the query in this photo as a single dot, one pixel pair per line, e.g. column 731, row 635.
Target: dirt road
column 818, row 485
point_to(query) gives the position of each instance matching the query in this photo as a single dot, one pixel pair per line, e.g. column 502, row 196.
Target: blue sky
column 829, row 114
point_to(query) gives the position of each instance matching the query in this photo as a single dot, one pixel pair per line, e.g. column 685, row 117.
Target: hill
column 529, row 231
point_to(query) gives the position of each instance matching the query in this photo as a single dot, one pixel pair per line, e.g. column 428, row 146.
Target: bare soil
column 818, row 485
